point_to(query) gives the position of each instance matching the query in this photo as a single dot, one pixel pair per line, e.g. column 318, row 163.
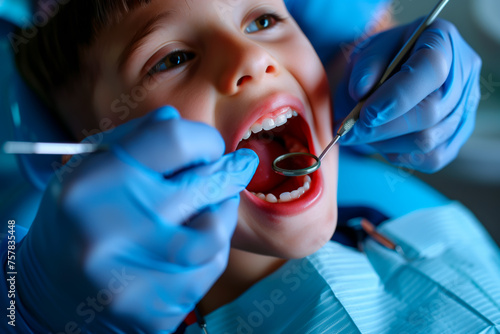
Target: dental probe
column 353, row 116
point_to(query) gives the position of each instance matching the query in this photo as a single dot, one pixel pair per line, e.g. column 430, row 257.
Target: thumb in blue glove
column 135, row 236
column 424, row 113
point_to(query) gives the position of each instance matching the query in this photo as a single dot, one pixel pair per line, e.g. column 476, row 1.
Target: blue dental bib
column 446, row 283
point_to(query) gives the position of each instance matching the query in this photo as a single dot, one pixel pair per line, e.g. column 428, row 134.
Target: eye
column 263, row 22
column 171, row 61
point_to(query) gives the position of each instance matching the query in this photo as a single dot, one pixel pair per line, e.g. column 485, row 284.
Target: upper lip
column 270, row 104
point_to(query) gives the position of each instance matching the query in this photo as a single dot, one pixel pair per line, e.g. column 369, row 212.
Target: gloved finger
column 422, row 141
column 197, row 242
column 370, row 59
column 428, row 113
column 147, row 289
column 441, row 155
column 170, row 145
column 118, row 253
column 425, row 71
column 459, row 123
column 175, row 200
column 422, row 124
column 199, row 278
column 205, row 236
column 173, row 292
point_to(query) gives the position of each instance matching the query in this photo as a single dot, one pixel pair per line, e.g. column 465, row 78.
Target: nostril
column 243, row 79
column 270, row 69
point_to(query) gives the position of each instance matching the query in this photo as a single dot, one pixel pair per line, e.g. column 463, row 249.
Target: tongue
column 265, row 179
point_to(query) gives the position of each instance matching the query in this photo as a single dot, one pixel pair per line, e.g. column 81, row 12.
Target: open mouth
column 280, row 132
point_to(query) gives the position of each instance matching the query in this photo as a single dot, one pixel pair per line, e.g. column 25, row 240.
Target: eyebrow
column 137, row 41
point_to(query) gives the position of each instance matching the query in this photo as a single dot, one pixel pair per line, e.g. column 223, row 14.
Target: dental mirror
column 297, row 164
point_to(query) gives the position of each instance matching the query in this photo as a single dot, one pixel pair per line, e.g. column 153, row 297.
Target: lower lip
column 293, row 207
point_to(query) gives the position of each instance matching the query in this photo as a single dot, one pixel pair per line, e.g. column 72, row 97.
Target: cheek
column 303, row 63
column 120, row 104
column 300, row 59
column 306, row 67
column 194, row 101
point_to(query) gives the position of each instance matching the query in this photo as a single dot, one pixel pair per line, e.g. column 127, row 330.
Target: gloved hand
column 421, row 116
column 133, row 237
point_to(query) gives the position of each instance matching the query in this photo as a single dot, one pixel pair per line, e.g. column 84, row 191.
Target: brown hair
column 52, row 57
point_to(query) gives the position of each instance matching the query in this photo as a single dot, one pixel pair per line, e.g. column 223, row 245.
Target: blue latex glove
column 424, row 113
column 130, row 239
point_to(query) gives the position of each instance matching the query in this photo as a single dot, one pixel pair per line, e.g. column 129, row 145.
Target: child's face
column 231, row 64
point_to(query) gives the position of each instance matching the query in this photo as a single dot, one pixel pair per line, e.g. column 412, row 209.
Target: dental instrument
column 303, row 159
column 22, row 147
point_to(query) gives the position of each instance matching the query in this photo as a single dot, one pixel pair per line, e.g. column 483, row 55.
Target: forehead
column 205, row 8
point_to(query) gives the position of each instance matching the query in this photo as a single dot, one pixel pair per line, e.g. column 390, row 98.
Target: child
column 147, row 229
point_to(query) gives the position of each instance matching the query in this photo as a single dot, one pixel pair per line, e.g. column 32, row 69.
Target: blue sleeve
column 328, row 23
column 17, row 318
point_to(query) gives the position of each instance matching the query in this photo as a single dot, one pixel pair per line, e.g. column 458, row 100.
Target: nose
column 241, row 62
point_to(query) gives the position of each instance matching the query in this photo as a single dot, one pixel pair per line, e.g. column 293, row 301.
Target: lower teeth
column 287, row 196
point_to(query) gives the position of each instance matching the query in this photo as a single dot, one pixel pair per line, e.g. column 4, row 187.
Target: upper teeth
column 270, row 123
